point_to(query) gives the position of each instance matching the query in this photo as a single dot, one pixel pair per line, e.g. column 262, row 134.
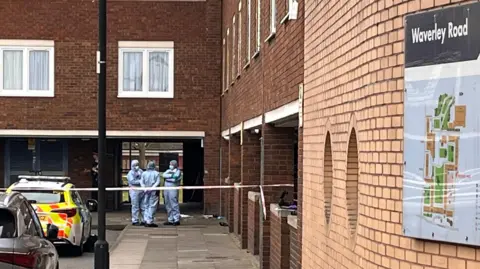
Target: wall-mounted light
column 256, row 131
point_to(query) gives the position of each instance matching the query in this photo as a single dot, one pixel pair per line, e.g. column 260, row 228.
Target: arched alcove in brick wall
column 352, row 182
column 327, row 177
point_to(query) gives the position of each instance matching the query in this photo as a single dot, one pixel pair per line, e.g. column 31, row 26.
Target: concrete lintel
column 253, row 196
column 282, row 112
column 292, row 221
column 226, row 134
column 236, row 129
column 278, row 211
column 252, row 123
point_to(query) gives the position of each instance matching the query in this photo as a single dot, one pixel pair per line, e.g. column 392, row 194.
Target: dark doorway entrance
column 193, row 169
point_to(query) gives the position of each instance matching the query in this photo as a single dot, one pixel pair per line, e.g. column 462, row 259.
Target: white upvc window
column 239, row 57
column 273, row 21
column 259, row 23
column 249, row 31
column 224, row 83
column 233, row 49
column 227, row 65
column 145, row 69
column 27, row 68
column 291, row 11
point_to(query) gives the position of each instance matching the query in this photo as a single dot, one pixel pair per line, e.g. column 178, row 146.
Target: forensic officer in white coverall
column 172, row 179
column 150, row 178
column 136, row 196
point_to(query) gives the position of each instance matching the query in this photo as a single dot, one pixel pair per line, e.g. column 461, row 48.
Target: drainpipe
column 221, row 114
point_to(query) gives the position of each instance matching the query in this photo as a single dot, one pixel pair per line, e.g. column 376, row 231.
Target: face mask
column 136, row 168
column 171, row 167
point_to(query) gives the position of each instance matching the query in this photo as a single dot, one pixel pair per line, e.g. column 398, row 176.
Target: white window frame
column 233, row 49
column 224, row 83
column 259, row 34
column 145, row 47
column 291, row 11
column 249, row 32
column 26, row 46
column 239, row 48
column 273, row 20
column 228, row 61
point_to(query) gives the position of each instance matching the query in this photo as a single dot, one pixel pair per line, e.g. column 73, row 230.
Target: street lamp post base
column 102, row 255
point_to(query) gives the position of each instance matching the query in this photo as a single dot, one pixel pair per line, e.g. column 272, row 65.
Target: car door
column 34, row 237
column 84, row 214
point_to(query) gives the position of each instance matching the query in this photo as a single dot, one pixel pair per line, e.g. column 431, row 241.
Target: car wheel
column 78, row 250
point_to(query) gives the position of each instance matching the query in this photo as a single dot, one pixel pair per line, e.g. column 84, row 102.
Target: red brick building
column 262, row 78
column 162, row 58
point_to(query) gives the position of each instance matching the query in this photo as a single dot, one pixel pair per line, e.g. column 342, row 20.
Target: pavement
column 199, row 243
column 183, row 247
column 67, row 261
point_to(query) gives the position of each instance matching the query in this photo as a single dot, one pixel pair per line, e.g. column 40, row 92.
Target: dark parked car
column 22, row 241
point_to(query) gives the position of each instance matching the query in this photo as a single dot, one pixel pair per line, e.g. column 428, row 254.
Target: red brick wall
column 193, row 26
column 234, row 176
column 225, row 172
column 279, row 241
column 278, row 169
column 253, row 224
column 295, row 249
column 250, row 168
column 272, row 79
column 298, row 233
column 236, row 211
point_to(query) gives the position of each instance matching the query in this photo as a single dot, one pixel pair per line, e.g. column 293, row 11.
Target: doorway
column 47, row 157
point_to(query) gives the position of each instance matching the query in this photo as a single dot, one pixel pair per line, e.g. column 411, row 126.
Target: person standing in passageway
column 136, row 196
column 172, row 179
column 94, row 174
column 150, row 178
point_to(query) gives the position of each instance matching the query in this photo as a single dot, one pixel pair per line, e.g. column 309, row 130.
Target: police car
column 56, row 202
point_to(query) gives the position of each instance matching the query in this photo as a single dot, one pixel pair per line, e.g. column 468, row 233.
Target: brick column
column 250, row 175
column 224, row 175
column 279, row 238
column 253, row 222
column 300, row 197
column 278, row 169
column 295, row 249
column 234, row 177
column 236, row 211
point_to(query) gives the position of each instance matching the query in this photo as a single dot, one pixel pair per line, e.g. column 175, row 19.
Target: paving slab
column 207, row 246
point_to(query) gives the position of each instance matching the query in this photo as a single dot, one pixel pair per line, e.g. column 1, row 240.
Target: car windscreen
column 7, row 224
column 43, row 196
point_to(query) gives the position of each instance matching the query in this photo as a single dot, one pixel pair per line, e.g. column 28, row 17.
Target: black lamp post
column 102, row 257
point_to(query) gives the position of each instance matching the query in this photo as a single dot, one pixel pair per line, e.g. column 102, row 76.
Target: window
column 291, row 10
column 7, row 224
column 259, row 35
column 239, row 58
column 30, row 227
column 249, row 31
column 37, row 225
column 43, row 196
column 228, row 61
column 233, row 49
column 224, row 83
column 26, row 68
column 76, row 198
column 145, row 69
column 273, row 22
